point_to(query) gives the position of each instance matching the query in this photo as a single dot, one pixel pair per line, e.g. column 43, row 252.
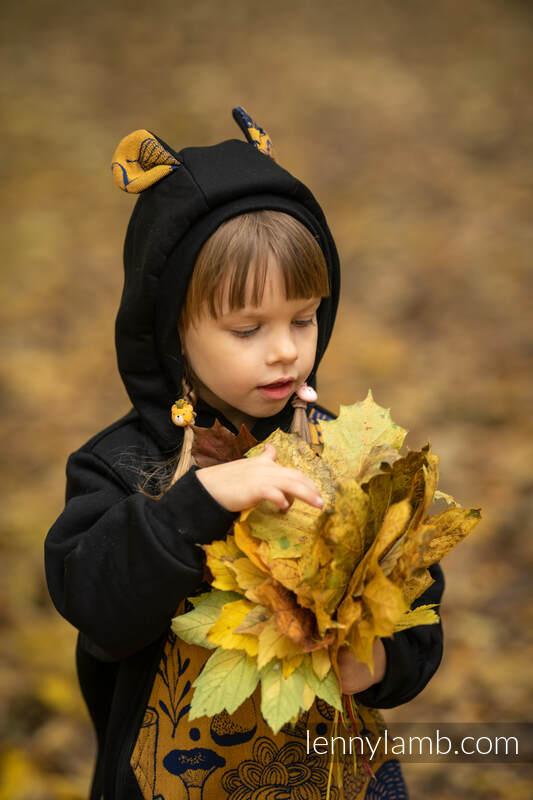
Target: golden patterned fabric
column 255, row 134
column 140, row 160
column 237, row 757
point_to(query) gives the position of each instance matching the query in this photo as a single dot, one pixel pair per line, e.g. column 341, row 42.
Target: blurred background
column 412, row 123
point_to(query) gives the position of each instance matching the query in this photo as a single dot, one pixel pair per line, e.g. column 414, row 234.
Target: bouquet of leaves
column 290, row 589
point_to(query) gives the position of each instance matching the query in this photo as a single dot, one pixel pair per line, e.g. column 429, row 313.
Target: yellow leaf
column 338, row 547
column 287, row 572
column 450, row 526
column 220, row 555
column 194, row 626
column 448, row 498
column 248, row 576
column 394, row 522
column 361, row 641
column 385, row 602
column 254, row 622
column 421, row 615
column 407, row 475
column 349, row 440
column 308, row 697
column 274, row 644
column 290, row 534
column 416, row 585
column 409, row 559
column 321, row 663
column 292, row 451
column 431, row 477
column 288, row 665
column 246, row 542
column 222, row 632
column 349, row 613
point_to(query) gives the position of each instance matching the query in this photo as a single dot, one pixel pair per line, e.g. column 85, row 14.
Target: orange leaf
column 298, row 623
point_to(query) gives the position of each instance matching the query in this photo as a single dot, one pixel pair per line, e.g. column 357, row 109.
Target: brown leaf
column 298, row 623
column 217, row 445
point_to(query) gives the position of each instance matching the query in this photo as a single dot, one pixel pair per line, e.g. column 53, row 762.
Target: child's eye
column 302, row 323
column 299, row 323
column 244, row 334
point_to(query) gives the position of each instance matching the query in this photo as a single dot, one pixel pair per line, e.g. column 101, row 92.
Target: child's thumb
column 269, row 451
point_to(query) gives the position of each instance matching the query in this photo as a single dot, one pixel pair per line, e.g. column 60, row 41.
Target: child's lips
column 277, row 390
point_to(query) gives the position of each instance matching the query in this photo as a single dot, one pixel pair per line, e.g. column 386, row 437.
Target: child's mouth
column 277, row 390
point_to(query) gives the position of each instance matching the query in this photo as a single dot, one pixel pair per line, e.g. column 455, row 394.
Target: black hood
column 172, row 218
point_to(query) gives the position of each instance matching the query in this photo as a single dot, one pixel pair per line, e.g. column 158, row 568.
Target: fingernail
column 320, row 501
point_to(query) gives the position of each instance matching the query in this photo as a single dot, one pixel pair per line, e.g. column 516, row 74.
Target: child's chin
column 270, row 408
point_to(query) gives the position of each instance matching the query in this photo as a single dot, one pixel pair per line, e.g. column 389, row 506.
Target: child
column 231, row 289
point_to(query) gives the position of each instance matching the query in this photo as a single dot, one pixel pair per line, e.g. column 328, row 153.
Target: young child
column 230, row 294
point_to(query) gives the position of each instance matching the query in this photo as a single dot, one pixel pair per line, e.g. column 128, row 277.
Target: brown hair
column 243, row 244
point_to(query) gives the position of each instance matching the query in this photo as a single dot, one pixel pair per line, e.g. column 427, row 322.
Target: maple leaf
column 360, row 439
column 217, row 444
column 295, row 622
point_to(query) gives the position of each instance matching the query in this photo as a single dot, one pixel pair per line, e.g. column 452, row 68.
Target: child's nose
column 282, row 348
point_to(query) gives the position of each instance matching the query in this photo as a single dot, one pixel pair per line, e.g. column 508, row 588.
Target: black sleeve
column 119, row 563
column 413, row 656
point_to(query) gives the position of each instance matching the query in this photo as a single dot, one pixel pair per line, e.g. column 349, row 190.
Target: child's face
column 237, row 355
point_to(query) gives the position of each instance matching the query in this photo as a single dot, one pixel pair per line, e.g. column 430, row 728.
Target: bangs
column 231, row 268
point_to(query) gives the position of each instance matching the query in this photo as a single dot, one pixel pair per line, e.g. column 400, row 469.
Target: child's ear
column 255, row 134
column 141, row 160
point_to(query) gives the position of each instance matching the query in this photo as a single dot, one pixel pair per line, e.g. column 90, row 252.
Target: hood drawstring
column 300, row 422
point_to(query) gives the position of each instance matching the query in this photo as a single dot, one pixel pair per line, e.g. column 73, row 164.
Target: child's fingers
column 297, row 475
column 268, row 452
column 277, row 497
column 292, row 481
column 289, row 472
column 294, row 478
column 301, row 490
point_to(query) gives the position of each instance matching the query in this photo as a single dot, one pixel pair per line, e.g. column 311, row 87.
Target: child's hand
column 356, row 676
column 241, row 484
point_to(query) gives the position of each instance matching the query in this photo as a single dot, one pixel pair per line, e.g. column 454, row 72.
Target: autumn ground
column 412, row 124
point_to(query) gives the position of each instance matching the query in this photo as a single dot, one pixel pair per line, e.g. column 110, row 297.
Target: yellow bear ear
column 253, row 132
column 140, row 160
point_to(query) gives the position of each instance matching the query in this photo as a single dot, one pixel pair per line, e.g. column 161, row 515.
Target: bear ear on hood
column 255, row 134
column 141, row 158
